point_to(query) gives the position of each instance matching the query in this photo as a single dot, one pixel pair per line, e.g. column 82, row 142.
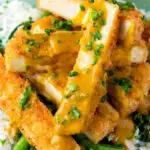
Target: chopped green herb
column 26, row 96
column 27, row 68
column 125, row 5
column 59, row 41
column 37, row 57
column 97, row 53
column 109, row 72
column 96, row 36
column 33, row 43
column 124, row 83
column 2, row 142
column 27, row 25
column 97, row 23
column 82, row 8
column 91, row 1
column 143, row 17
column 89, row 46
column 100, row 13
column 103, row 21
column 77, row 41
column 27, row 105
column 28, row 32
column 48, row 31
column 73, row 87
column 103, row 83
column 46, row 14
column 54, row 74
column 94, row 15
column 26, row 41
column 58, row 24
column 74, row 113
column 29, row 49
column 73, row 74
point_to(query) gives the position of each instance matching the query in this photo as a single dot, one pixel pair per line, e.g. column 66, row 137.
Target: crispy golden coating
column 132, row 27
column 89, row 88
column 128, row 102
column 35, row 50
column 103, row 122
column 36, row 121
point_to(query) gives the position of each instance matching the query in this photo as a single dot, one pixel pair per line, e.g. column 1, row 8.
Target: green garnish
column 59, row 41
column 29, row 49
column 124, row 83
column 26, row 96
column 74, row 113
column 33, row 43
column 46, row 14
column 73, row 74
column 82, row 8
column 26, row 41
column 89, row 46
column 1, row 46
column 73, row 87
column 103, row 83
column 96, row 36
column 2, row 142
column 91, row 1
column 54, row 74
column 94, row 15
column 58, row 24
column 97, row 53
column 27, row 68
column 125, row 5
column 109, row 72
column 103, row 21
column 77, row 41
column 48, row 31
column 100, row 13
column 27, row 25
column 37, row 57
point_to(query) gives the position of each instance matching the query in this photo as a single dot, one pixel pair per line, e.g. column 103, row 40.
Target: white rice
column 14, row 13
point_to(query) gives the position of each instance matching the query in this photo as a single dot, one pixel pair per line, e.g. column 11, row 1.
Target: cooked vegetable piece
column 85, row 96
column 22, row 144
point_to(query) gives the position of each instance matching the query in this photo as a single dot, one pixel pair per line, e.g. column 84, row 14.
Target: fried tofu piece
column 128, row 88
column 122, row 57
column 35, row 51
column 61, row 8
column 131, row 28
column 103, row 122
column 131, row 48
column 82, row 92
column 52, row 84
column 35, row 121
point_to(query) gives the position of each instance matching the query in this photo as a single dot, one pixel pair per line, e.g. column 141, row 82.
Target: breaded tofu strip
column 52, row 84
column 103, row 122
column 128, row 88
column 82, row 92
column 33, row 119
column 136, row 55
column 34, row 51
column 131, row 29
column 131, row 47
